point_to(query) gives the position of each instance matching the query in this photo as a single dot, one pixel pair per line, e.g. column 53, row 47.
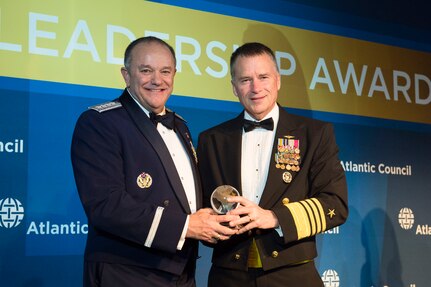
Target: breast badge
column 288, row 156
column 144, row 180
column 287, row 177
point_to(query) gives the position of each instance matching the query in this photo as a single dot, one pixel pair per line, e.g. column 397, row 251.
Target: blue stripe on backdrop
column 188, row 104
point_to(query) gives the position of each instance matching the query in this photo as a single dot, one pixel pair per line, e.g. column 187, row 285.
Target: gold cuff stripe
column 317, row 219
column 300, row 217
column 321, row 214
column 311, row 215
column 308, row 216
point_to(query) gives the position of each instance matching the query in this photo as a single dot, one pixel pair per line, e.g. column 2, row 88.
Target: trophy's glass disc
column 219, row 198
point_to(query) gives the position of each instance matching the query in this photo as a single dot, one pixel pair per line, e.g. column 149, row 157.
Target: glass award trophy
column 219, row 198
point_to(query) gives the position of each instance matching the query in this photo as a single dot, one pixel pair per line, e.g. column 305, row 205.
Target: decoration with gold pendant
column 192, row 148
column 288, row 156
column 144, row 180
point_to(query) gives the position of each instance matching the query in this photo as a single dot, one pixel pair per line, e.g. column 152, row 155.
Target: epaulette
column 177, row 115
column 106, row 106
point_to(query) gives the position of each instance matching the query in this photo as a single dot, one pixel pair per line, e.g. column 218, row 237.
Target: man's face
column 256, row 83
column 150, row 77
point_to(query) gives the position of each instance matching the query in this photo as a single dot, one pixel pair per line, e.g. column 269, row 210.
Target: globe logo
column 330, row 278
column 11, row 212
column 406, row 218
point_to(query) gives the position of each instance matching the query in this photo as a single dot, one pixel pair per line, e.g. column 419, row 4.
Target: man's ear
column 278, row 82
column 234, row 88
column 126, row 76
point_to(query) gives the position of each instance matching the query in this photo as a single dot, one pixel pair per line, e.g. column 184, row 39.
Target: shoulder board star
column 106, row 106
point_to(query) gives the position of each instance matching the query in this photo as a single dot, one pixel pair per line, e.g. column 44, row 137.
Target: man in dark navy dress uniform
column 287, row 170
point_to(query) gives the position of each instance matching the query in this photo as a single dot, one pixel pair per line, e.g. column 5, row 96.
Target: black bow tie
column 168, row 119
column 251, row 125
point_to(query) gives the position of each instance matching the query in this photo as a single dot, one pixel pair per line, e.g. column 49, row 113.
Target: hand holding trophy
column 219, row 198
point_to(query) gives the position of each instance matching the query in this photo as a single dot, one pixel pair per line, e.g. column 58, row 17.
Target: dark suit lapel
column 228, row 147
column 233, row 154
column 274, row 184
column 151, row 134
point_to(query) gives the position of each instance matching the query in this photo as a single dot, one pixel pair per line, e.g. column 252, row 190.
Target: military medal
column 144, row 180
column 288, row 156
column 287, row 177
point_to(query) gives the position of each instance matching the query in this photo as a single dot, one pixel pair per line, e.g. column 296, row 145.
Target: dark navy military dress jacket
column 125, row 176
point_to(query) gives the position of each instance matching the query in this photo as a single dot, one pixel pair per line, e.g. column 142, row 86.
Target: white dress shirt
column 256, row 155
column 183, row 165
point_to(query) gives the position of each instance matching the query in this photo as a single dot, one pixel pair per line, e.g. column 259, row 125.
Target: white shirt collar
column 147, row 112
